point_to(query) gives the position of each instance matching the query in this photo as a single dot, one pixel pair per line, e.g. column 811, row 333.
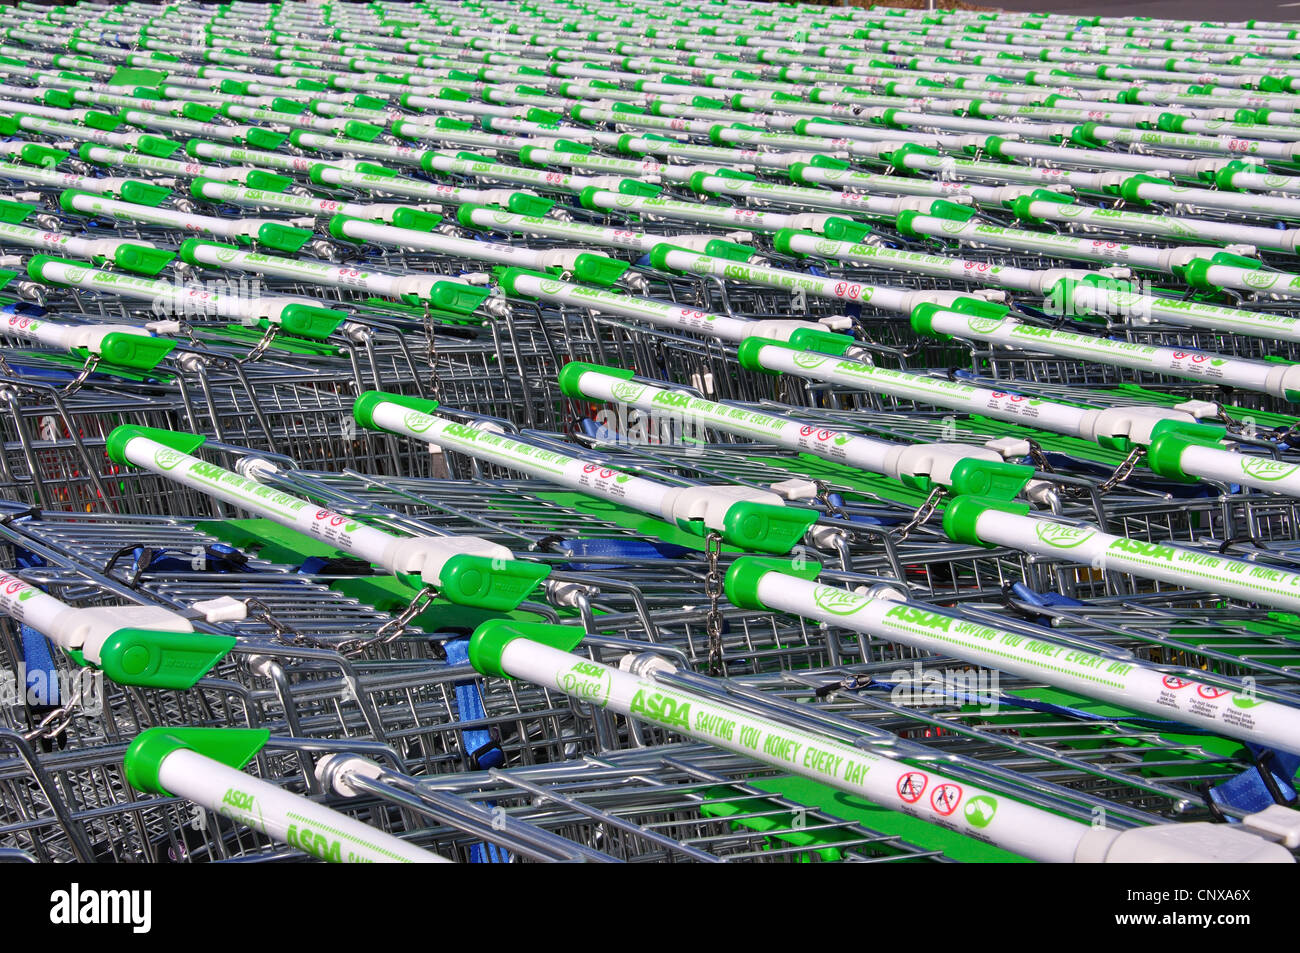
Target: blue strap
column 469, row 707
column 1045, row 599
column 1050, row 708
column 837, row 500
column 1025, row 594
column 334, row 566
column 637, row 550
column 25, row 308
column 1248, row 791
column 42, row 677
column 599, row 431
column 217, row 557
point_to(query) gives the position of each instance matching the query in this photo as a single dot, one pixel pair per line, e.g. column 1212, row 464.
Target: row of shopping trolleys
column 307, row 488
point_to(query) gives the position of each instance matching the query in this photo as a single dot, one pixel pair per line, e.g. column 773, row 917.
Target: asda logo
column 1262, row 468
column 911, row 615
column 315, row 843
column 628, row 393
column 837, row 601
column 167, row 459
column 667, row 399
column 984, row 325
column 239, row 800
column 657, row 707
column 417, row 422
column 1062, row 537
column 979, row 810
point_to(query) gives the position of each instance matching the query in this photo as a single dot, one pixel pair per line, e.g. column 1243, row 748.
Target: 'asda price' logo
column 1063, row 537
column 167, row 458
column 808, row 360
column 73, row 274
column 1261, row 468
column 502, row 218
column 587, row 681
column 628, row 393
column 1259, row 279
column 226, row 255
column 417, row 422
column 826, row 248
column 952, row 228
column 984, row 325
column 550, row 287
column 837, row 601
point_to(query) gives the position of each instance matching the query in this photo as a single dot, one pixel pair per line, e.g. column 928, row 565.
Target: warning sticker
column 1210, row 692
column 911, row 786
column 1175, row 683
column 945, row 799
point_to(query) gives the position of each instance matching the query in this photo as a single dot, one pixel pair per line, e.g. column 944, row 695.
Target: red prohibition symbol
column 945, row 799
column 911, row 786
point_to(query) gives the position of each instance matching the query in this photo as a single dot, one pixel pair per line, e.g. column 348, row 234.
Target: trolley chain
column 824, row 498
column 56, row 722
column 431, row 352
column 713, row 589
column 1039, row 458
column 282, row 632
column 922, row 514
column 68, row 389
column 272, row 332
column 395, row 627
column 1123, row 471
